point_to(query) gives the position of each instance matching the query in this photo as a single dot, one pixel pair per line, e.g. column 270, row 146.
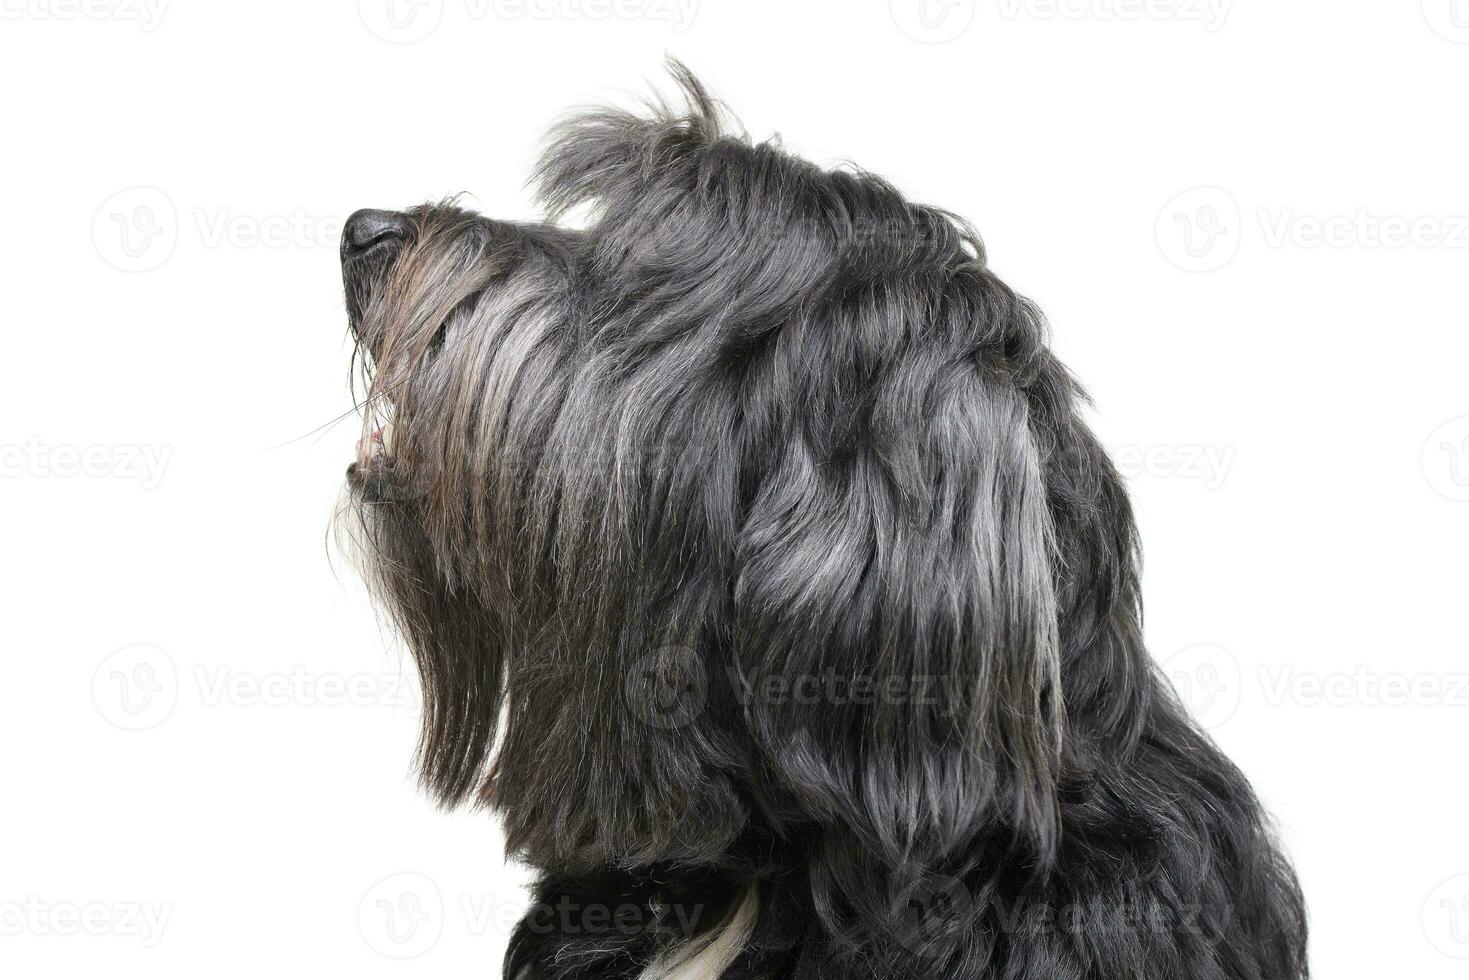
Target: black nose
column 370, row 227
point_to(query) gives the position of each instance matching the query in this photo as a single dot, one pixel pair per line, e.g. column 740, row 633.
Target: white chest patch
column 709, row 962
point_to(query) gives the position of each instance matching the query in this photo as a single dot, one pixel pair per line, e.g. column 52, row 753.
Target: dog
column 765, row 581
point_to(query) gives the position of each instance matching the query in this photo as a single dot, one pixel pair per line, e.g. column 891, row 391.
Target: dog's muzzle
column 370, row 239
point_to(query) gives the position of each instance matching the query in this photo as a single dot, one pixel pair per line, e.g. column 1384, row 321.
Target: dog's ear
column 887, row 534
column 896, row 621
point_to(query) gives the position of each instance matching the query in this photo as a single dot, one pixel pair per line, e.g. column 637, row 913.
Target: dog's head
column 736, row 512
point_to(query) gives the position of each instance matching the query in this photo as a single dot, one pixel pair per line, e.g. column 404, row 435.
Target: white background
column 207, row 737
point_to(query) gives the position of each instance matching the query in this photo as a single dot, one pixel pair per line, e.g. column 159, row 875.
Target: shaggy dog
column 764, row 579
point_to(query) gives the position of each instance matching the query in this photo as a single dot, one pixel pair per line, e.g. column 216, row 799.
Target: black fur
column 753, row 550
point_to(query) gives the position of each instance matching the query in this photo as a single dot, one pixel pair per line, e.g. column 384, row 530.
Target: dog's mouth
column 379, row 443
column 373, row 473
column 377, row 447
